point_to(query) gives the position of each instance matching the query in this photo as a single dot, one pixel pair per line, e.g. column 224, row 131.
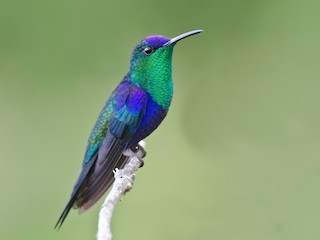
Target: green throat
column 154, row 75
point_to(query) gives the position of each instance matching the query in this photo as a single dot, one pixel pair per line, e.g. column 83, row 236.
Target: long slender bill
column 182, row 36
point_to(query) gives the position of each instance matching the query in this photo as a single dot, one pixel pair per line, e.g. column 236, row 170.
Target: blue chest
column 151, row 120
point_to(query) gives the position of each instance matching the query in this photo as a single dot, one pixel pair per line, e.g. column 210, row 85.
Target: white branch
column 124, row 179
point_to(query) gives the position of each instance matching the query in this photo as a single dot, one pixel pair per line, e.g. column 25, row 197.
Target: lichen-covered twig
column 124, row 179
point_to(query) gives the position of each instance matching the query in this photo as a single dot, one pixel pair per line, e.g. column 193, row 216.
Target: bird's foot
column 137, row 151
column 140, row 153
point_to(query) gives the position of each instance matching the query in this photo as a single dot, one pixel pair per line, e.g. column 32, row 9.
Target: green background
column 236, row 158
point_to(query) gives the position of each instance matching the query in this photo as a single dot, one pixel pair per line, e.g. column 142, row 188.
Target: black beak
column 182, row 36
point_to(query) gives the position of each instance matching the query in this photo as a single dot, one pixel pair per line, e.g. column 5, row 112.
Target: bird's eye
column 148, row 50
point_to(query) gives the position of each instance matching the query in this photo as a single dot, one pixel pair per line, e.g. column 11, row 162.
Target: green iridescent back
column 100, row 128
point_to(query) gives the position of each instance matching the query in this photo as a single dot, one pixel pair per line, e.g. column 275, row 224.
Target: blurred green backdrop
column 237, row 156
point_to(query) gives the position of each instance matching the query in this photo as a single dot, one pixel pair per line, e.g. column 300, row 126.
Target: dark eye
column 148, row 50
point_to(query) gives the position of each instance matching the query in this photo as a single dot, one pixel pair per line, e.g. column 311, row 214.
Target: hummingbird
column 133, row 111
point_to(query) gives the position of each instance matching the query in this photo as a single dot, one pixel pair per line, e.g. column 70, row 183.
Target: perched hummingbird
column 134, row 110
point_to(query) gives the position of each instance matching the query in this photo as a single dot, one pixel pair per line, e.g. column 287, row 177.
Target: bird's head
column 151, row 58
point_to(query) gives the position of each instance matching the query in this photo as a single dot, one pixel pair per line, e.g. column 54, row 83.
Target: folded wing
column 129, row 104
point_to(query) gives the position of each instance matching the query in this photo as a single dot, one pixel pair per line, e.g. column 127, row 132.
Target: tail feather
column 71, row 203
column 96, row 177
column 65, row 213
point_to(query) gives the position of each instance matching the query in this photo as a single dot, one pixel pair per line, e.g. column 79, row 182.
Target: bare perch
column 124, row 179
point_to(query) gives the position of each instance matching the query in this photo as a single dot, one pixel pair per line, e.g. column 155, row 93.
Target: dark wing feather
column 97, row 174
column 100, row 177
column 123, row 124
